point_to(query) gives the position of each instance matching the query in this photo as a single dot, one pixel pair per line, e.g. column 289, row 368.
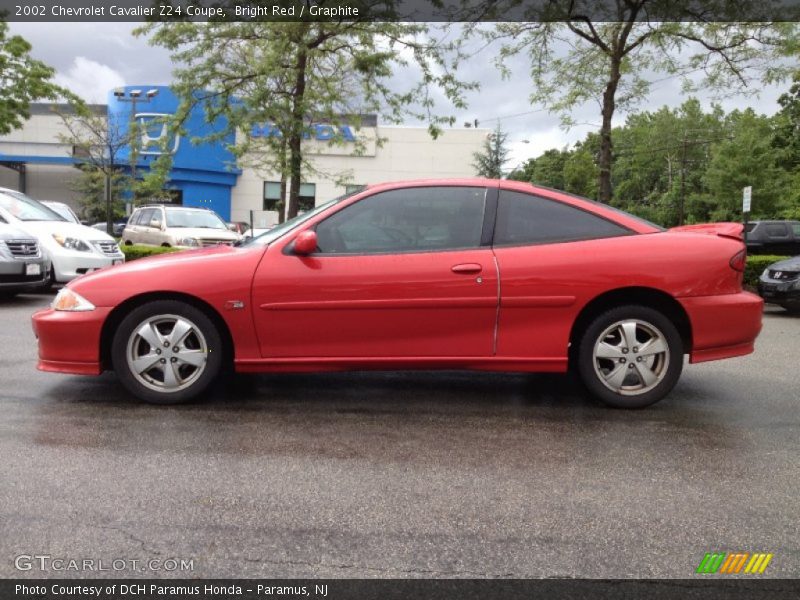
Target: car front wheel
column 630, row 357
column 167, row 352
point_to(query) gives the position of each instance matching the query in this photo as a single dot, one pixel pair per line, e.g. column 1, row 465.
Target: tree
column 293, row 76
column 490, row 160
column 581, row 52
column 748, row 158
column 22, row 80
column 97, row 141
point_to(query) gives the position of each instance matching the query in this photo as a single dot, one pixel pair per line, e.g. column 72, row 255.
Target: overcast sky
column 92, row 58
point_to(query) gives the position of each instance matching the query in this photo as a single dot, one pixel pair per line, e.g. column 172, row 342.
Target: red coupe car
column 452, row 274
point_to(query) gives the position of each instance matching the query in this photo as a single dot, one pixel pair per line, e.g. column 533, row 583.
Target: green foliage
column 686, row 165
column 756, row 265
column 494, row 154
column 90, row 185
column 140, row 251
column 747, row 158
column 293, row 75
column 22, row 80
column 614, row 59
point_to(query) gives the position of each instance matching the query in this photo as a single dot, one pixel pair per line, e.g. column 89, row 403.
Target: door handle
column 467, row 268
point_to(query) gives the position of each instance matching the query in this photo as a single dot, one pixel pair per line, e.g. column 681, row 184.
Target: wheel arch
column 116, row 316
column 643, row 296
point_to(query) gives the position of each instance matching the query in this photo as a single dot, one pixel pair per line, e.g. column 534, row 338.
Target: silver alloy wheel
column 167, row 353
column 631, row 357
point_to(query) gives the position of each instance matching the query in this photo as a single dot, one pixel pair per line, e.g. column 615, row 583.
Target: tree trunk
column 296, row 135
column 606, row 147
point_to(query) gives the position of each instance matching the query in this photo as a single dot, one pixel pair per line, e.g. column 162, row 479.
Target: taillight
column 739, row 261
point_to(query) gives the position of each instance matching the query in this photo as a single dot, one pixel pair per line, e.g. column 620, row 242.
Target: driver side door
column 401, row 273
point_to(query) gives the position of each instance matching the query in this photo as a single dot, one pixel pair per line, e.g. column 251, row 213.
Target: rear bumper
column 69, row 342
column 723, row 326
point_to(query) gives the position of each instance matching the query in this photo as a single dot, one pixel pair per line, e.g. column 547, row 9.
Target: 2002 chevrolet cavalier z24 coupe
column 452, row 274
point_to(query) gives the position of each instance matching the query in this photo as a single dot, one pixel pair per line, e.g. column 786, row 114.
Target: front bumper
column 69, row 342
column 785, row 293
column 723, row 326
column 14, row 274
column 67, row 265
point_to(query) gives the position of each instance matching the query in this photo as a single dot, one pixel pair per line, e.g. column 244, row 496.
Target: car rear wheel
column 630, row 357
column 167, row 352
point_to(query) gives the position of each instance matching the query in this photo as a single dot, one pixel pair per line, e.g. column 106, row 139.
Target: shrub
column 138, row 251
column 755, row 265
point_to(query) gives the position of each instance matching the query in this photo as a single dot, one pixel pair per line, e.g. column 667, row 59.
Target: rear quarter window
column 527, row 219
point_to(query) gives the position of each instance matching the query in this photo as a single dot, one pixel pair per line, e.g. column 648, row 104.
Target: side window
column 777, row 230
column 796, row 229
column 526, row 219
column 146, row 217
column 421, row 219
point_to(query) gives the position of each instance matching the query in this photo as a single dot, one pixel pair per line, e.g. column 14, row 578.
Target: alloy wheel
column 167, row 353
column 631, row 357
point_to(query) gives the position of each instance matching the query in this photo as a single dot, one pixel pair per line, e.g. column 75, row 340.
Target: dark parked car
column 773, row 237
column 780, row 284
column 117, row 226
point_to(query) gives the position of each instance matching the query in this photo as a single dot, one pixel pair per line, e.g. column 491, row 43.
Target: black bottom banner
column 390, row 589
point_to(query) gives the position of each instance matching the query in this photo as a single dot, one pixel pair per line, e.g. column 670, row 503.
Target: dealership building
column 36, row 159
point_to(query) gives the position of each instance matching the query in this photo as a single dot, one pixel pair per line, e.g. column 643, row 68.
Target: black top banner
column 402, row 10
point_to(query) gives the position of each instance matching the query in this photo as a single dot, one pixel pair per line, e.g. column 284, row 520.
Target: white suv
column 74, row 249
column 177, row 226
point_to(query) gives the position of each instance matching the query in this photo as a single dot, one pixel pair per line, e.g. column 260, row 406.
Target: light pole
column 134, row 97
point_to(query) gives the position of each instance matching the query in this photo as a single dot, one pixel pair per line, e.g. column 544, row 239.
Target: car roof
column 167, row 206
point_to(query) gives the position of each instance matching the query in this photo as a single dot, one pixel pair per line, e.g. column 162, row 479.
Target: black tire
column 7, row 296
column 197, row 383
column 665, row 367
column 50, row 281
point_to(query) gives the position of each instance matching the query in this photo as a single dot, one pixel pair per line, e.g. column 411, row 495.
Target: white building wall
column 39, row 136
column 406, row 153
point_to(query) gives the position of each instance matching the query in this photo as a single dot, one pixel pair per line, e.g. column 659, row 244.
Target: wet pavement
column 446, row 474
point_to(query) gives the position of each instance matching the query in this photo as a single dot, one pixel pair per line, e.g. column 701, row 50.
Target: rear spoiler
column 726, row 230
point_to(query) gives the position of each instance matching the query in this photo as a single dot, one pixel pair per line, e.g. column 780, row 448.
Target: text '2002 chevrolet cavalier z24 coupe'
column 456, row 274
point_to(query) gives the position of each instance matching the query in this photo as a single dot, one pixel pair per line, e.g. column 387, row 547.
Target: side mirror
column 305, row 243
column 155, row 223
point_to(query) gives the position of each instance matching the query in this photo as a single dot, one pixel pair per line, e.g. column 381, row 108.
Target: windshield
column 27, row 209
column 194, row 218
column 64, row 211
column 279, row 230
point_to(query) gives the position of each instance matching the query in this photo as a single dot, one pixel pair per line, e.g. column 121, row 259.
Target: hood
column 7, row 232
column 44, row 230
column 203, row 233
column 788, row 264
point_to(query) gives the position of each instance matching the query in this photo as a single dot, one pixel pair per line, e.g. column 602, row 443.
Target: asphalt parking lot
column 402, row 474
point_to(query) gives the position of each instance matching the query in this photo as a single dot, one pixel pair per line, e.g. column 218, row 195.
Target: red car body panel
column 505, row 308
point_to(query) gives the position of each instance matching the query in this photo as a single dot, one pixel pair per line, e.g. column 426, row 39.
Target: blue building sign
column 321, row 132
column 203, row 174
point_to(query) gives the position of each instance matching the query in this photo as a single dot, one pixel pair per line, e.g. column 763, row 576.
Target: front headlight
column 188, row 242
column 71, row 243
column 68, row 300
